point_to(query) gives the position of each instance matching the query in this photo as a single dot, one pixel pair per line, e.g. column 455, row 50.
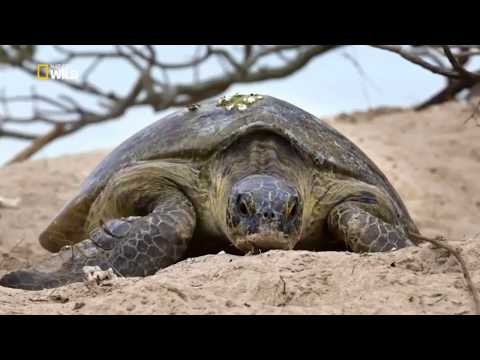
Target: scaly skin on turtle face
column 242, row 174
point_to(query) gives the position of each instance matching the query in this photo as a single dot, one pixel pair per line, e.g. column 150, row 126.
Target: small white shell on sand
column 94, row 274
column 9, row 203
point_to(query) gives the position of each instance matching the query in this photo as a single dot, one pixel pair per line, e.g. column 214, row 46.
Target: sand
column 431, row 157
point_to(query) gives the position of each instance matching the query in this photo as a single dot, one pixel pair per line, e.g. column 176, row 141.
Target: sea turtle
column 242, row 174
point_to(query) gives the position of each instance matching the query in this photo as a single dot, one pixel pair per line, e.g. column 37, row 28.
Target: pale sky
column 326, row 86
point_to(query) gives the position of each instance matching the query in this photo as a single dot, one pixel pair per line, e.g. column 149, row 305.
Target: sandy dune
column 431, row 157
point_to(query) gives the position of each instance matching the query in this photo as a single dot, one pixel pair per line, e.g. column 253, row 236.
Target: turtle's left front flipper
column 136, row 246
column 363, row 231
column 37, row 280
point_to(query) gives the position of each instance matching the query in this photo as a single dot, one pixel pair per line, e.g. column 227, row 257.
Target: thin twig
column 474, row 115
column 440, row 242
column 362, row 74
column 13, row 248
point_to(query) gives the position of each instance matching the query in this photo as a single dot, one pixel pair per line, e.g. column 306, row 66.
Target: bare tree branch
column 153, row 86
column 16, row 134
column 66, row 114
column 38, row 143
column 458, row 77
column 452, row 89
column 411, row 57
column 431, row 53
column 457, row 66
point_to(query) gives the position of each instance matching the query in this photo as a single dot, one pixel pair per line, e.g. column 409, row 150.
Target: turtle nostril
column 268, row 215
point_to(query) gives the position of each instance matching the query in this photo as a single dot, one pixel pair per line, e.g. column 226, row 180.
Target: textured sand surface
column 431, row 157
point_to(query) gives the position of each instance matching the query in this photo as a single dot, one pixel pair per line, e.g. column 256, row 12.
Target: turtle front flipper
column 72, row 261
column 364, row 232
column 134, row 246
column 139, row 246
column 36, row 280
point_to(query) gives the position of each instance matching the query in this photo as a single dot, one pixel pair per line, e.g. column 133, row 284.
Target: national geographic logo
column 56, row 72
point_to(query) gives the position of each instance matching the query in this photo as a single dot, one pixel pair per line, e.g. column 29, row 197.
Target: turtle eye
column 243, row 208
column 241, row 205
column 292, row 211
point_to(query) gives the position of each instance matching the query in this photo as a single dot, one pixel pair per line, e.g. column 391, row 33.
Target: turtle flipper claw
column 35, row 280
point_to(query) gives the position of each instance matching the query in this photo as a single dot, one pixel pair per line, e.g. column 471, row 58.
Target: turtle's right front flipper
column 137, row 246
column 362, row 231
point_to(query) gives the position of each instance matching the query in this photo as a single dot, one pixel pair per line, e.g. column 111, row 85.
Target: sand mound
column 431, row 157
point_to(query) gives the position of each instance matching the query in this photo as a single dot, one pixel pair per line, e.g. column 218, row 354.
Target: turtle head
column 263, row 212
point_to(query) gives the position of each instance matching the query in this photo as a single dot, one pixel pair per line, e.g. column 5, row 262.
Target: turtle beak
column 263, row 241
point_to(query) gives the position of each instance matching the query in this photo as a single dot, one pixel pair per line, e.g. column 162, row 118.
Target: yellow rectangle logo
column 44, row 75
